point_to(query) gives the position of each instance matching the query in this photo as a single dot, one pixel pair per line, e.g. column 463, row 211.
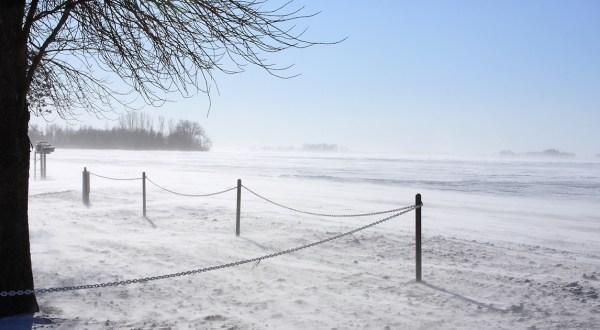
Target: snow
column 507, row 244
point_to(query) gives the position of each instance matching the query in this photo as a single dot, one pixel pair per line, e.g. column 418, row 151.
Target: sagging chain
column 189, row 195
column 207, row 269
column 117, row 179
column 325, row 214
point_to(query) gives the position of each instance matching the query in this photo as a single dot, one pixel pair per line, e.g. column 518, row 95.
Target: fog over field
column 316, row 124
column 507, row 244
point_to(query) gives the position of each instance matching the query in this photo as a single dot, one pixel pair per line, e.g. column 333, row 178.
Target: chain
column 207, row 269
column 189, row 195
column 109, row 178
column 324, row 214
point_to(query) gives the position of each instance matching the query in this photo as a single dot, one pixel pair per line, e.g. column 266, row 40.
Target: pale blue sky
column 465, row 77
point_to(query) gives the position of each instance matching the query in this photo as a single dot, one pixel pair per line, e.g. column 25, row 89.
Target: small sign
column 43, row 147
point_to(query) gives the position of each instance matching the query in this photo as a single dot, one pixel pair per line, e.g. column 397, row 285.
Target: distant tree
column 161, row 125
column 190, row 136
column 55, row 55
column 171, row 126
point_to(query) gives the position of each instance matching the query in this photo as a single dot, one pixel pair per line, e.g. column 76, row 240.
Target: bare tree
column 146, row 122
column 190, row 136
column 171, row 126
column 161, row 125
column 60, row 55
column 132, row 119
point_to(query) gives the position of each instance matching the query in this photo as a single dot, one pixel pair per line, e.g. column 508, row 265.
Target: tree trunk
column 15, row 256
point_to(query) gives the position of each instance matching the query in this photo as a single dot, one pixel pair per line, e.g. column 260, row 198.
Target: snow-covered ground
column 507, row 244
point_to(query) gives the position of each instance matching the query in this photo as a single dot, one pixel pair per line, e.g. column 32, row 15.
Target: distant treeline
column 320, row 147
column 549, row 153
column 133, row 131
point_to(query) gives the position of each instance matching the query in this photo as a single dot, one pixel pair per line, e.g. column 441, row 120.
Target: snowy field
column 507, row 244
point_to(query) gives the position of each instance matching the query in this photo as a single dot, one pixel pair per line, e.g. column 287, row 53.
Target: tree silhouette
column 134, row 131
column 189, row 135
column 60, row 55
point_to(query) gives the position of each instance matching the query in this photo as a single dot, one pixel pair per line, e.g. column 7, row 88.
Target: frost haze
column 506, row 244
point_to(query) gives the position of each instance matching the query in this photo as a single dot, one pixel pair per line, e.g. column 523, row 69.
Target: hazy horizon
column 459, row 78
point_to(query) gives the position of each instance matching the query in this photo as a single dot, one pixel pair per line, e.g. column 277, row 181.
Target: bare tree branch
column 155, row 47
column 38, row 57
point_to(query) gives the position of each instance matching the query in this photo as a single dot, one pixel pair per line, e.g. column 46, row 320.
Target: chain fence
column 325, row 214
column 116, row 179
column 355, row 215
column 190, row 195
column 207, row 269
column 396, row 213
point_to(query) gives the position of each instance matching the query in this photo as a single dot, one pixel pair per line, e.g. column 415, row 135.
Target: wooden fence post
column 86, row 187
column 144, row 191
column 239, row 205
column 418, row 235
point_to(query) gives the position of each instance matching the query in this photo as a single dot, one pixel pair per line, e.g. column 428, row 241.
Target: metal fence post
column 418, row 235
column 86, row 187
column 144, row 191
column 239, row 205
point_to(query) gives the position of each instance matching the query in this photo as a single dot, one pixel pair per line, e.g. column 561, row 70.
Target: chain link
column 325, row 214
column 109, row 178
column 189, row 195
column 211, row 268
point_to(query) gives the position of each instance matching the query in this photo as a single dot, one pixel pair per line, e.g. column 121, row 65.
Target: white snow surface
column 507, row 244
